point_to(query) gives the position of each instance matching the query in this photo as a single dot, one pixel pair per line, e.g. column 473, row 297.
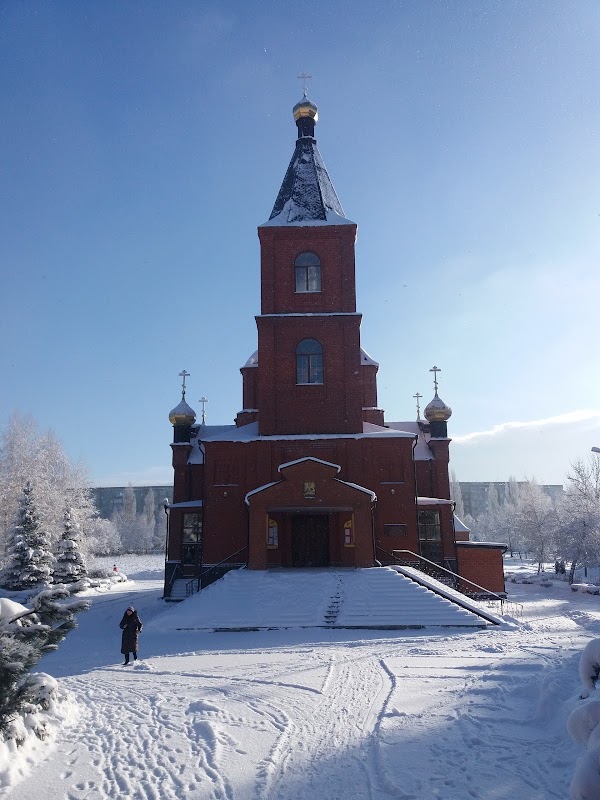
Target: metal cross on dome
column 183, row 375
column 417, row 397
column 304, row 77
column 204, row 401
column 435, row 371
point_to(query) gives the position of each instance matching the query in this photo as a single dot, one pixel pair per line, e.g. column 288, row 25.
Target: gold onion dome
column 305, row 108
column 437, row 410
column 182, row 414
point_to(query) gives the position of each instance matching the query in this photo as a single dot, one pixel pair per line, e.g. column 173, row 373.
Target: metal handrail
column 395, row 559
column 173, row 578
column 189, row 587
column 455, row 576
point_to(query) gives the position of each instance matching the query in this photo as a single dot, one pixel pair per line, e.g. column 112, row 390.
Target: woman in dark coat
column 131, row 626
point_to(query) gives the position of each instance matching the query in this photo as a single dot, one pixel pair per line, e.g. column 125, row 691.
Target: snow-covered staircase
column 374, row 598
column 178, row 590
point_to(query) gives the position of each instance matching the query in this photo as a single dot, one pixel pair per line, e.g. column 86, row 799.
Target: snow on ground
column 313, row 713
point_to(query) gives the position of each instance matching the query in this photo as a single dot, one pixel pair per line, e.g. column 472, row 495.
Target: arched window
column 309, row 362
column 308, row 273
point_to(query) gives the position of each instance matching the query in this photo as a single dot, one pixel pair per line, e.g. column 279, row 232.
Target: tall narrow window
column 191, row 543
column 430, row 536
column 309, row 362
column 308, row 273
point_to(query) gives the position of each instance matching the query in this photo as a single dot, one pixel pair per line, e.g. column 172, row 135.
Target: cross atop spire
column 435, row 371
column 304, row 77
column 417, row 397
column 183, row 374
column 204, row 401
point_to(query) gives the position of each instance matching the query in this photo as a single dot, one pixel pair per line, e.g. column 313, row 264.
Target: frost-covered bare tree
column 578, row 538
column 149, row 520
column 102, row 537
column 536, row 519
column 456, row 496
column 491, row 525
column 29, row 455
column 124, row 519
column 135, row 530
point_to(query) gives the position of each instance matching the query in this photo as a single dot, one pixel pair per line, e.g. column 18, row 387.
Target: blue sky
column 143, row 142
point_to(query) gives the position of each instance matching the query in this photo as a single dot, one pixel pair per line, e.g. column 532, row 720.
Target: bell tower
column 309, row 358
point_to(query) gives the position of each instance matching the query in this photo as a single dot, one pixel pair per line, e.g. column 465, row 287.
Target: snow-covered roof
column 433, row 501
column 360, row 488
column 365, row 358
column 308, row 458
column 260, row 489
column 253, row 360
column 488, row 545
column 421, row 451
column 249, row 433
column 460, row 526
column 187, row 504
column 307, row 196
column 202, row 432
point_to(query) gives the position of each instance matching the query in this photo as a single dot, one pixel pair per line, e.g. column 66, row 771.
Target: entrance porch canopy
column 309, row 486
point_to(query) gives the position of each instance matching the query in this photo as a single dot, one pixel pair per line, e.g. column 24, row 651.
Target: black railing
column 410, row 559
column 216, row 571
column 174, row 576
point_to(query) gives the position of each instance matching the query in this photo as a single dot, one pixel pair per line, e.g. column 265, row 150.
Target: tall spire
column 307, row 196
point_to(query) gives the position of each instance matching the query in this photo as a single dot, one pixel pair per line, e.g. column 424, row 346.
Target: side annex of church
column 312, row 475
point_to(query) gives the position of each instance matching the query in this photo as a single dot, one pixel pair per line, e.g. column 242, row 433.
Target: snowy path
column 289, row 715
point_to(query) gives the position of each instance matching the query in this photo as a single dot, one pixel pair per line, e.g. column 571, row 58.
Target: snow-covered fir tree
column 26, row 634
column 30, row 560
column 27, row 454
column 70, row 563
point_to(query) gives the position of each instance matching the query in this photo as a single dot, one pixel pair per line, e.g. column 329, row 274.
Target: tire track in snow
column 330, row 738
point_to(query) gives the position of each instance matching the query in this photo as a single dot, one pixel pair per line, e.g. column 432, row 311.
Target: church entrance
column 310, row 540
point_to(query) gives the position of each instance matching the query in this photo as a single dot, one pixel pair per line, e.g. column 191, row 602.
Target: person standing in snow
column 131, row 625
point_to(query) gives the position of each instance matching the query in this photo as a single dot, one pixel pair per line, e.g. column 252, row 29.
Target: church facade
column 312, row 475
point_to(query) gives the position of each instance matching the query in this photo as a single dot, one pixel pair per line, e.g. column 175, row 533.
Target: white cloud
column 543, row 449
column 570, row 418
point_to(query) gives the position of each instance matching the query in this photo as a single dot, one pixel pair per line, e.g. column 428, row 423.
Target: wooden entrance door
column 310, row 540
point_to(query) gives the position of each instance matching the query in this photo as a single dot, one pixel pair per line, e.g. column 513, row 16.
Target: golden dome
column 437, row 410
column 182, row 414
column 305, row 108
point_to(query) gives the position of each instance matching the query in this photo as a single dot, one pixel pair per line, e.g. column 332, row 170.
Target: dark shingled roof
column 307, row 195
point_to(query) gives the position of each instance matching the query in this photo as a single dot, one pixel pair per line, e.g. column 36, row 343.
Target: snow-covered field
column 295, row 714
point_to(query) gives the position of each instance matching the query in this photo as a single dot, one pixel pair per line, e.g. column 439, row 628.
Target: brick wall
column 481, row 565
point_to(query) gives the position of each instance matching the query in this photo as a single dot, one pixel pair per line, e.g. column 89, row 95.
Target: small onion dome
column 253, row 360
column 437, row 410
column 305, row 108
column 182, row 414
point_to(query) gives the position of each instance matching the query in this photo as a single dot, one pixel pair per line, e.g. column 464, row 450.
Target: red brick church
column 312, row 475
